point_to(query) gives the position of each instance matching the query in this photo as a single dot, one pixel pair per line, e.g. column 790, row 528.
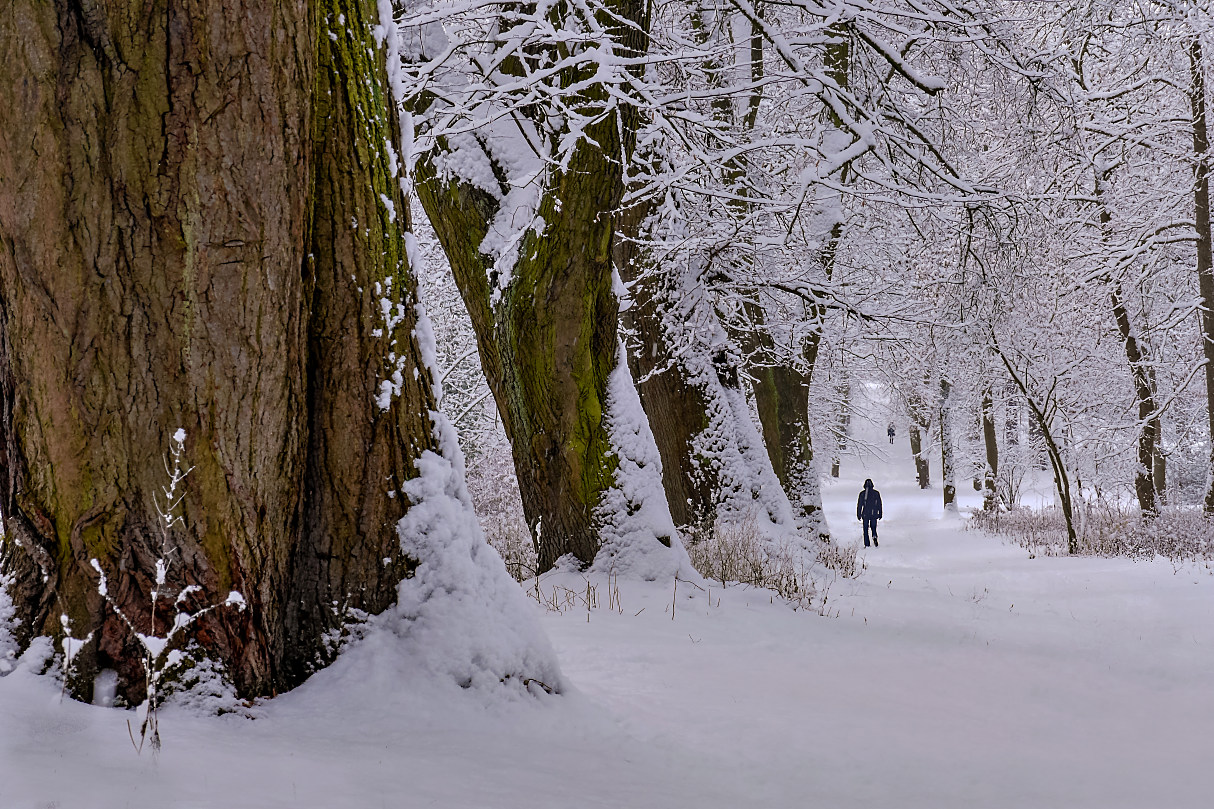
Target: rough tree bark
column 676, row 407
column 842, row 424
column 782, row 399
column 193, row 234
column 947, row 463
column 1205, row 251
column 548, row 339
column 990, row 495
column 923, row 473
column 1141, row 373
column 779, row 382
column 781, row 393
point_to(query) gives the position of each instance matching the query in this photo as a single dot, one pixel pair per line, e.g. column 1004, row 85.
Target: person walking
column 868, row 510
column 890, row 432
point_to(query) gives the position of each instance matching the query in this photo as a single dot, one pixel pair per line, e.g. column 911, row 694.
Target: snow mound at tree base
column 8, row 643
column 461, row 615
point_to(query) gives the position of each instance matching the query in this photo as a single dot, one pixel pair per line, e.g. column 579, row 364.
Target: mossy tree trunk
column 781, row 386
column 194, row 234
column 548, row 337
column 782, row 400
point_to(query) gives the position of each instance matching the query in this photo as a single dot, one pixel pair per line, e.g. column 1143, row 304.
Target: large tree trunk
column 548, row 333
column 548, row 345
column 990, row 496
column 923, row 474
column 948, row 465
column 782, row 400
column 714, row 466
column 1205, row 256
column 1140, row 372
column 781, row 391
column 781, row 380
column 677, row 407
column 192, row 234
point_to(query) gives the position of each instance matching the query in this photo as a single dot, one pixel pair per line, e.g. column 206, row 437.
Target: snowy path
column 957, row 673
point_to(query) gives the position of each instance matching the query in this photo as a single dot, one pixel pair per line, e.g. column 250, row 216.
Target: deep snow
column 956, row 672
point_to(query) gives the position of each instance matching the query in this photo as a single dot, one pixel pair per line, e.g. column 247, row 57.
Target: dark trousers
column 870, row 524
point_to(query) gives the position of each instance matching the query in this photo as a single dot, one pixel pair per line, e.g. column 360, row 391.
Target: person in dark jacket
column 868, row 510
column 890, row 432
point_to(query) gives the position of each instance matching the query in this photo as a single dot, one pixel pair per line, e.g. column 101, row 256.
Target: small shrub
column 736, row 553
column 842, row 560
column 162, row 653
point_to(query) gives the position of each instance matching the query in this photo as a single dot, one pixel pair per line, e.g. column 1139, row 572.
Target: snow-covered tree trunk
column 1140, row 370
column 714, row 466
column 781, row 395
column 1205, row 251
column 922, row 464
column 948, row 469
column 531, row 251
column 782, row 399
column 201, row 229
column 990, row 496
column 842, row 423
column 677, row 408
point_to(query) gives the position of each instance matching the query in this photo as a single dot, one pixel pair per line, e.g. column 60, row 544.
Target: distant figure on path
column 868, row 510
column 890, row 432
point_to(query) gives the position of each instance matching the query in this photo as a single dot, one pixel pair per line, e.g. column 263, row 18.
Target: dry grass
column 1179, row 535
column 737, row 553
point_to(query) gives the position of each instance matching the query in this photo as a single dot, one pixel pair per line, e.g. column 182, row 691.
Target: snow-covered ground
column 956, row 672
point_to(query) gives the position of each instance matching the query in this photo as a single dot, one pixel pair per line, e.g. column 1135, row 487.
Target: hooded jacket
column 868, row 506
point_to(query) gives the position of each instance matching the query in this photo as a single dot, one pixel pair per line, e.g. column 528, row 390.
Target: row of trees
column 683, row 235
column 998, row 208
column 1076, row 296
